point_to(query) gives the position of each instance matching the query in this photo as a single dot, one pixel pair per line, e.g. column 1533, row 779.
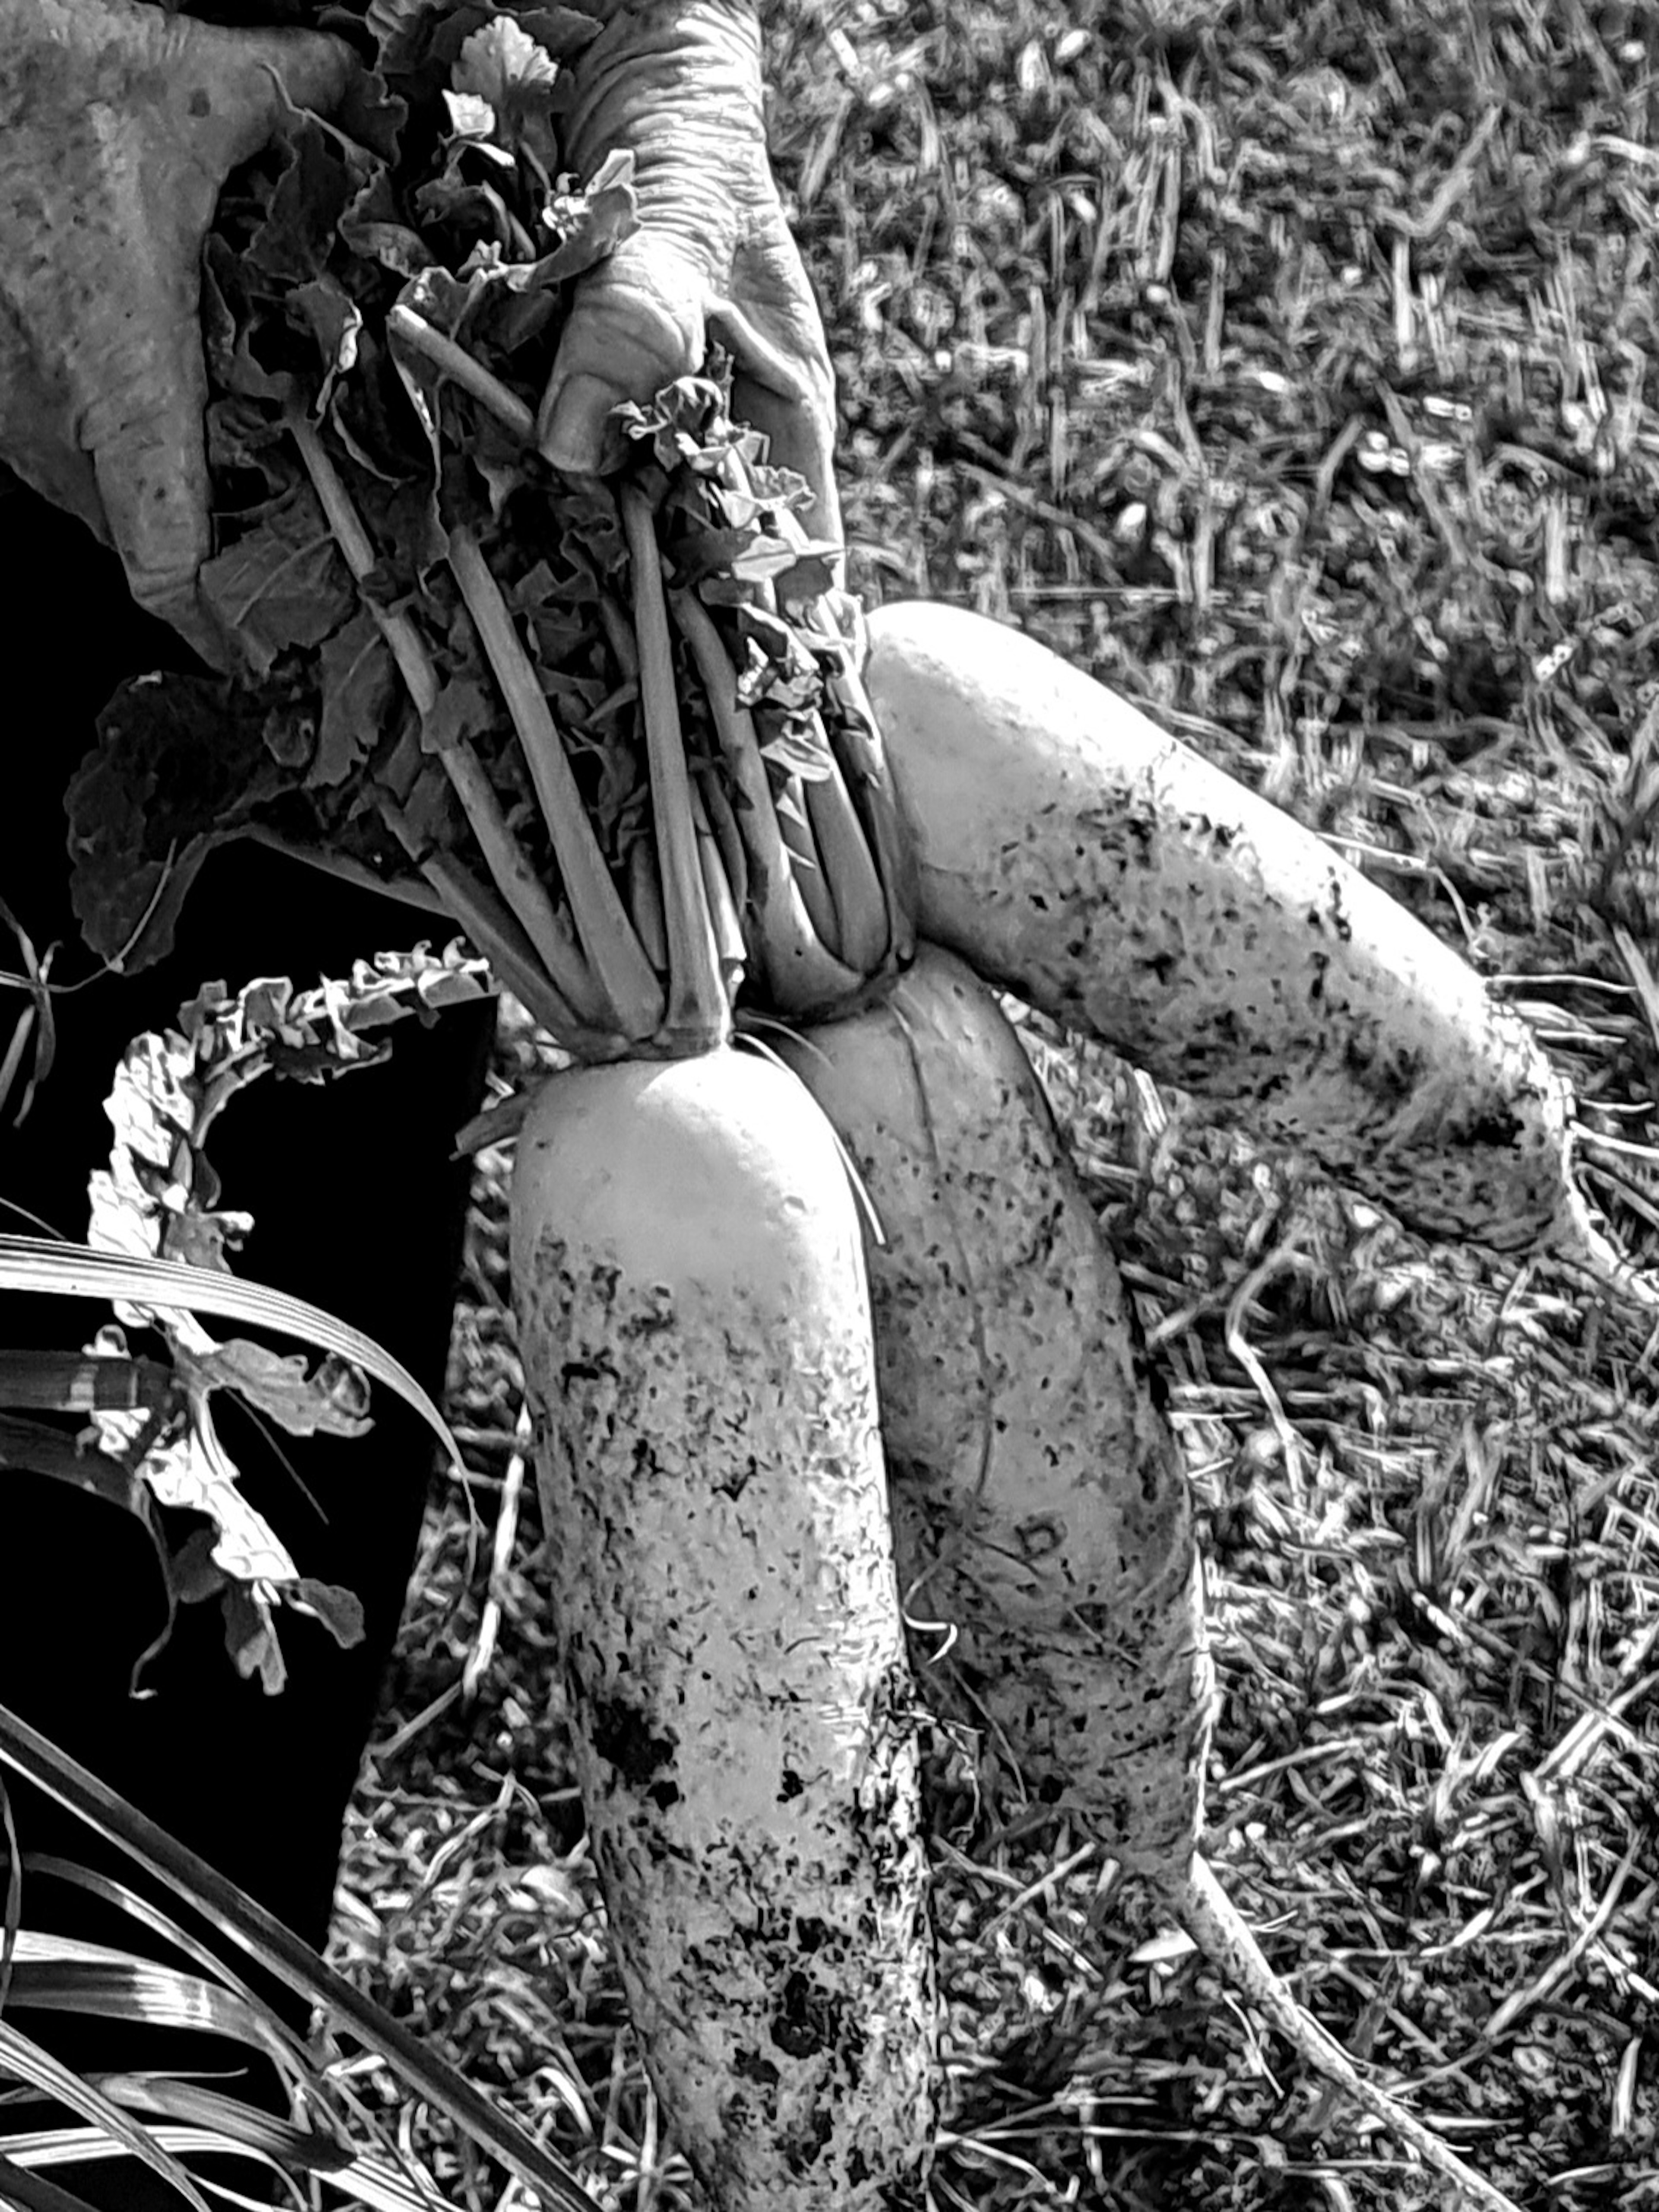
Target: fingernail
column 573, row 437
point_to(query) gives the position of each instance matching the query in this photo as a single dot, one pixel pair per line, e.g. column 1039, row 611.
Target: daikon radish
column 696, row 1331
column 1072, row 852
column 1040, row 1516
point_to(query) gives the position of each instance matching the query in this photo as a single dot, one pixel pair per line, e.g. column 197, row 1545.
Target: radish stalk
column 496, row 935
column 729, row 945
column 509, row 870
column 699, row 1013
column 404, row 889
column 607, row 935
column 805, row 864
column 801, row 976
column 722, row 823
column 619, row 631
column 856, row 747
column 548, row 930
column 645, row 904
column 405, row 327
column 854, row 887
column 414, row 663
column 1040, row 1505
column 1071, row 851
column 862, row 755
column 695, row 1335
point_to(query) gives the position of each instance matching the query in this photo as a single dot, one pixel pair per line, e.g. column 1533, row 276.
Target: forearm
column 674, row 80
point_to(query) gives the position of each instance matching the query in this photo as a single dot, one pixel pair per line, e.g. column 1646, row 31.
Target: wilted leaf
column 561, row 31
column 503, row 63
column 340, row 1611
column 372, row 226
column 463, row 709
column 393, row 23
column 285, row 584
column 360, row 683
column 333, row 1401
column 592, row 221
column 327, row 310
column 317, row 184
column 809, row 576
column 505, row 67
column 469, row 116
column 177, row 769
column 201, row 1238
column 369, row 112
column 794, row 744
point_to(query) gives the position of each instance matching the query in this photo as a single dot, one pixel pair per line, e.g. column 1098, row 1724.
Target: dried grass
column 1292, row 367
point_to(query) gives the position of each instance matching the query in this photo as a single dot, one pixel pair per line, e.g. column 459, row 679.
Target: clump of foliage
column 455, row 663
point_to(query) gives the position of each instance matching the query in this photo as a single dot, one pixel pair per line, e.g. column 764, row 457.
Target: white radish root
column 1225, row 1937
column 1040, row 1504
column 696, row 1332
column 1071, row 851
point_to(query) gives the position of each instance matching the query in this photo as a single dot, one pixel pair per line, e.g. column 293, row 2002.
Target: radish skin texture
column 1040, row 1503
column 695, row 1325
column 1074, row 853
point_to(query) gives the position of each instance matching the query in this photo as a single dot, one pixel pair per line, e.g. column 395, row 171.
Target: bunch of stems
column 800, row 884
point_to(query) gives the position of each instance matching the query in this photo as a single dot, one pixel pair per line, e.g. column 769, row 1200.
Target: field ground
column 1296, row 368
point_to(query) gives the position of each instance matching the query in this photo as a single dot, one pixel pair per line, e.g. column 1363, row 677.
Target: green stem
column 723, row 823
column 620, row 632
column 414, row 663
column 719, row 891
column 613, row 950
column 404, row 325
column 549, row 931
column 404, row 889
column 645, row 903
column 487, row 921
column 699, row 1010
column 861, row 753
column 802, row 977
column 813, row 885
column 509, row 870
column 854, row 882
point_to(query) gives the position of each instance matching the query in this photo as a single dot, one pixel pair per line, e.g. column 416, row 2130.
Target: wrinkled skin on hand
column 677, row 82
column 118, row 125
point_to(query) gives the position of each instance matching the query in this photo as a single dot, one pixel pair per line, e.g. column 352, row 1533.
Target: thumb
column 144, row 431
column 793, row 408
column 252, row 78
column 143, row 422
column 636, row 325
column 152, row 483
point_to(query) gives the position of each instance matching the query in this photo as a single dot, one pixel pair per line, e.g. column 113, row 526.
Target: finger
column 155, row 504
column 783, row 383
column 801, row 438
column 144, row 434
column 248, row 80
column 636, row 323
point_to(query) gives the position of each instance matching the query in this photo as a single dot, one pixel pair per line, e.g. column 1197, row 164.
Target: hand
column 119, row 126
column 677, row 82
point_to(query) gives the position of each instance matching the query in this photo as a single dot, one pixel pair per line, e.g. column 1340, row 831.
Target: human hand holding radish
column 678, row 84
column 118, row 125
